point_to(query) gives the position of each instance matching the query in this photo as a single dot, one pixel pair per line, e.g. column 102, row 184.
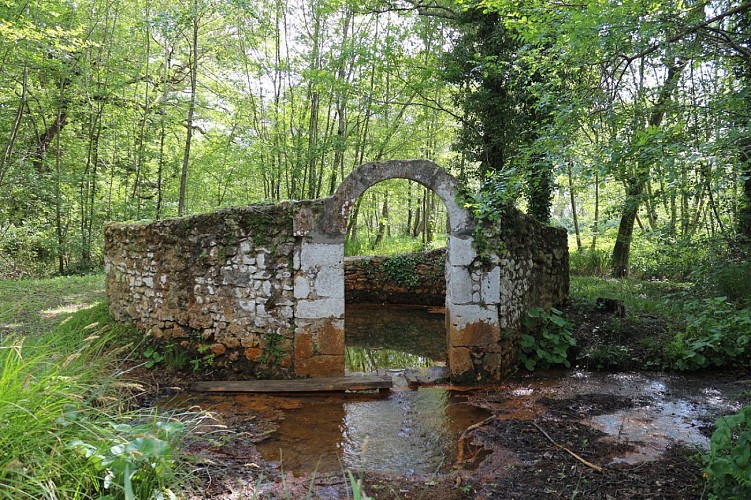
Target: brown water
column 394, row 337
column 416, row 431
column 407, row 432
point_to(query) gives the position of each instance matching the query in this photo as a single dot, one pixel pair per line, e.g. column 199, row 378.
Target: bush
column 546, row 339
column 716, row 334
column 590, row 262
column 728, row 463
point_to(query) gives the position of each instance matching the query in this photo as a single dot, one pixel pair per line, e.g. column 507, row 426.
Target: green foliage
column 728, row 463
column 175, row 357
column 546, row 339
column 391, row 245
column 602, row 357
column 153, row 357
column 402, row 269
column 590, row 262
column 273, row 349
column 136, row 461
column 66, row 430
column 716, row 333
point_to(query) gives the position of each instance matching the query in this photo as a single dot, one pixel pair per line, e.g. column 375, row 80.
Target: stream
column 414, row 430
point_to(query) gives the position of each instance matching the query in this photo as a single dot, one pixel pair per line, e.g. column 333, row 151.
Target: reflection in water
column 407, row 432
column 393, row 336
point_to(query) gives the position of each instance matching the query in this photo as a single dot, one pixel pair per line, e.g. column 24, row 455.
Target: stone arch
column 332, row 221
column 472, row 289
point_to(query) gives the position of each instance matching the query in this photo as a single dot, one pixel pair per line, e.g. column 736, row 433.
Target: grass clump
column 65, row 428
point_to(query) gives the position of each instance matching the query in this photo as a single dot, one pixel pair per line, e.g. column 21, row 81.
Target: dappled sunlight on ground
column 65, row 309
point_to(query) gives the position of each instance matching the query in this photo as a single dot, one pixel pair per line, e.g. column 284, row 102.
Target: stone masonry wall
column 414, row 278
column 534, row 264
column 261, row 289
column 218, row 284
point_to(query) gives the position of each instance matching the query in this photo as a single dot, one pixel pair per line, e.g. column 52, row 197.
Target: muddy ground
column 542, row 446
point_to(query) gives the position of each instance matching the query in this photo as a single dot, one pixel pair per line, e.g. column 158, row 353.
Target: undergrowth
column 728, row 463
column 66, row 430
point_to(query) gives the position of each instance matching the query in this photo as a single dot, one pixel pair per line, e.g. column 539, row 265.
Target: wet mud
column 561, row 433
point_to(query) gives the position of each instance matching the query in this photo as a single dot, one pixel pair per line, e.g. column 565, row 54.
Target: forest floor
column 527, row 453
column 551, row 449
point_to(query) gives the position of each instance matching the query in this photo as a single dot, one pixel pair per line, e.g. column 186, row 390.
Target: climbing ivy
column 490, row 207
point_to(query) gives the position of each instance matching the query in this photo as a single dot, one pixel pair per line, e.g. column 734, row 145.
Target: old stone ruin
column 262, row 288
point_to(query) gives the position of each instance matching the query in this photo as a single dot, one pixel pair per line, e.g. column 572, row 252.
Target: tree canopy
column 624, row 121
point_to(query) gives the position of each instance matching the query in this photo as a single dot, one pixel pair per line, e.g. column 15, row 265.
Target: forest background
column 627, row 123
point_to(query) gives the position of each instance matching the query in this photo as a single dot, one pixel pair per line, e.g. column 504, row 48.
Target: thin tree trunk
column 191, row 111
column 382, row 221
column 595, row 224
column 573, row 207
column 16, row 124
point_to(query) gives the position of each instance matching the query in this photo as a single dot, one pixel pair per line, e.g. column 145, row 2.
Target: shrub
column 65, row 427
column 728, row 463
column 546, row 339
column 716, row 334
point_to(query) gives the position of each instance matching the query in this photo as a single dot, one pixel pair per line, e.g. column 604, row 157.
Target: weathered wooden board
column 353, row 383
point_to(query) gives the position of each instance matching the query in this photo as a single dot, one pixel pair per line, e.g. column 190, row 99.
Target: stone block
column 317, row 255
column 253, row 353
column 460, row 251
column 330, row 338
column 303, row 347
column 459, row 286
column 321, row 366
column 460, row 361
column 472, row 325
column 329, row 282
column 320, row 308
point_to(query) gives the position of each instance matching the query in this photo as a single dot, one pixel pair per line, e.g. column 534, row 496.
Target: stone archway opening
column 262, row 286
column 395, row 289
column 472, row 287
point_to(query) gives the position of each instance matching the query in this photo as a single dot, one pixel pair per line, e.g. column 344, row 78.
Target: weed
column 273, row 350
column 66, row 432
column 546, row 339
column 728, row 463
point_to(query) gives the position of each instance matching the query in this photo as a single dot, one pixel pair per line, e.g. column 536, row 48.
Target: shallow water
column 393, row 337
column 406, row 432
column 662, row 409
column 416, row 431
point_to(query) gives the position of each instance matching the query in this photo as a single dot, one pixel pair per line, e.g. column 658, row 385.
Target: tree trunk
column 622, row 246
column 573, row 207
column 636, row 185
column 382, row 221
column 191, row 111
column 595, row 224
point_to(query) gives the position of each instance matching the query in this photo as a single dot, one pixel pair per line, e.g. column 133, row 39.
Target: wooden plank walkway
column 331, row 384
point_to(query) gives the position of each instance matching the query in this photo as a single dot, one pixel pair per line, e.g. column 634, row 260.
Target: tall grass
column 65, row 430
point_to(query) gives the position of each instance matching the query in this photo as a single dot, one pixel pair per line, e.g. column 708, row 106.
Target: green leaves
column 728, row 463
column 546, row 339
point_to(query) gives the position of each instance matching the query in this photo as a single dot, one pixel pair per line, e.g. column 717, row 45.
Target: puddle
column 416, row 431
column 659, row 410
column 394, row 337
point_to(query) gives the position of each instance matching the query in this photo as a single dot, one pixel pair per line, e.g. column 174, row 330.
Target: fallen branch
column 463, row 437
column 585, row 462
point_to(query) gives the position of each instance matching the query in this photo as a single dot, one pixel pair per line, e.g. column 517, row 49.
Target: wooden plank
column 332, row 384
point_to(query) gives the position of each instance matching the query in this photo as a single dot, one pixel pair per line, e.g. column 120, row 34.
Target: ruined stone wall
column 218, row 284
column 534, row 265
column 414, row 278
column 261, row 289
